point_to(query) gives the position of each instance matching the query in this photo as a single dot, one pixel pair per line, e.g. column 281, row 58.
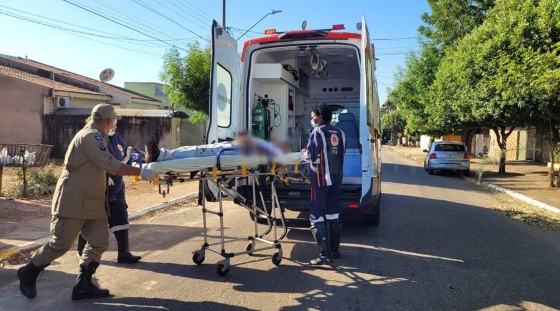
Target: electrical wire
column 74, row 31
column 108, row 10
column 204, row 21
column 198, row 9
column 119, row 23
column 164, row 16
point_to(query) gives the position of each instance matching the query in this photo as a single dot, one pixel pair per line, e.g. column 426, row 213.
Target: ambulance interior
column 298, row 77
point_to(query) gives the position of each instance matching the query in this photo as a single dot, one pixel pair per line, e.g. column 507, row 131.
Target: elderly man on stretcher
column 244, row 150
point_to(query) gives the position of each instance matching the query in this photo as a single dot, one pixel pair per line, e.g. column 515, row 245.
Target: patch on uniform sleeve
column 98, row 137
column 102, row 146
column 334, row 140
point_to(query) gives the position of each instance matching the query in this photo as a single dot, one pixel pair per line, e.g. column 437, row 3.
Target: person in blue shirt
column 118, row 208
column 325, row 151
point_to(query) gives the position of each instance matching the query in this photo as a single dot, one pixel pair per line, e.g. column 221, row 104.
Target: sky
column 139, row 32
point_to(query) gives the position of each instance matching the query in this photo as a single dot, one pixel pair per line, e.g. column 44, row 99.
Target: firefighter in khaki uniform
column 79, row 205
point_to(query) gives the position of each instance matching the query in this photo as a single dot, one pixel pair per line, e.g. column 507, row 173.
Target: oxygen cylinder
column 261, row 119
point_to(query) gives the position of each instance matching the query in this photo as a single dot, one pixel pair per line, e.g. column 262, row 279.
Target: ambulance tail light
column 354, row 205
column 338, row 27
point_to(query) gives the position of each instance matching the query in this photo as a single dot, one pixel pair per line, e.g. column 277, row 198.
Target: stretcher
column 223, row 176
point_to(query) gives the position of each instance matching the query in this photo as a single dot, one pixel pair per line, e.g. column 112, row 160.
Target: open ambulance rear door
column 225, row 82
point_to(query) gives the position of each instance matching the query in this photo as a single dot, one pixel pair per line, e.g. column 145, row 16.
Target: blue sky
column 186, row 20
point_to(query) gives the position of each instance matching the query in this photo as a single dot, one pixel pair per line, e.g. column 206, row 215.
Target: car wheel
column 430, row 171
column 372, row 220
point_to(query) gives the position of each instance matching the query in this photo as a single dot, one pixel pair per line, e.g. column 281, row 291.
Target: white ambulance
column 291, row 72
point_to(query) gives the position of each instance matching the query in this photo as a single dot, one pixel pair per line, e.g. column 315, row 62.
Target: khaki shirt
column 80, row 190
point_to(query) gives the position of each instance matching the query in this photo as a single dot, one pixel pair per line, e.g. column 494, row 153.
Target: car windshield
column 450, row 147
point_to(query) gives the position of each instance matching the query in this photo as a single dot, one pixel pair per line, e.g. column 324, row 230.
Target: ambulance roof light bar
column 338, row 27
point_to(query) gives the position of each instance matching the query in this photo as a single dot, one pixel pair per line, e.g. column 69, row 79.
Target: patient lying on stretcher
column 244, row 143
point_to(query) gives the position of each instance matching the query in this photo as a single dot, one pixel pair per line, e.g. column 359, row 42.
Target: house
column 151, row 89
column 37, row 100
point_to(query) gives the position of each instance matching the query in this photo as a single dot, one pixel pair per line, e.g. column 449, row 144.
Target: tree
column 187, row 79
column 394, row 122
column 494, row 78
column 448, row 22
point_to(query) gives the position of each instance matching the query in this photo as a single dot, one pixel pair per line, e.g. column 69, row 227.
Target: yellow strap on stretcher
column 215, row 173
column 273, row 170
column 244, row 170
column 296, row 168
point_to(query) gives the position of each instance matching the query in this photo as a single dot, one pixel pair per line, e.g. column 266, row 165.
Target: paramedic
column 325, row 150
column 118, row 214
column 79, row 205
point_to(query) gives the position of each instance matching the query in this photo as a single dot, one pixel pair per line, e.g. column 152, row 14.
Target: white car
column 447, row 156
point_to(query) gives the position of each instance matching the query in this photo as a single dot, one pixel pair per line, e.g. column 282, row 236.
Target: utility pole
column 224, row 14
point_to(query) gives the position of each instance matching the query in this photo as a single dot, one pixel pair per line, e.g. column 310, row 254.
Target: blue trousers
column 325, row 202
column 119, row 214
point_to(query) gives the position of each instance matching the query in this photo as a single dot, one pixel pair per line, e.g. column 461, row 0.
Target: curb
column 12, row 251
column 525, row 198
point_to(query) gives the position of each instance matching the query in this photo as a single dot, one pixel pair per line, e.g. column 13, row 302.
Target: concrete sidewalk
column 527, row 178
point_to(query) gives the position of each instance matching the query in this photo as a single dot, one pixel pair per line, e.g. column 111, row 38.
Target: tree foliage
column 502, row 74
column 393, row 122
column 187, row 78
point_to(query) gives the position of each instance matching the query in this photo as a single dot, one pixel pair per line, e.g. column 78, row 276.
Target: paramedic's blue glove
column 147, row 174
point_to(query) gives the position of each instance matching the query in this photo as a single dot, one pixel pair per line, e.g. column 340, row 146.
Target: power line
column 70, row 30
column 205, row 22
column 393, row 39
column 75, row 32
column 108, row 10
column 119, row 23
column 198, row 9
column 162, row 15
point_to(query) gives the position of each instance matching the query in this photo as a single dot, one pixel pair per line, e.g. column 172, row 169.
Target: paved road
column 437, row 248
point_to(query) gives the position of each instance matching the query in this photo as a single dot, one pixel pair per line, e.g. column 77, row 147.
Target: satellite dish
column 106, row 75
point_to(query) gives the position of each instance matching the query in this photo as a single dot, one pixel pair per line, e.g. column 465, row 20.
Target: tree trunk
column 551, row 169
column 501, row 137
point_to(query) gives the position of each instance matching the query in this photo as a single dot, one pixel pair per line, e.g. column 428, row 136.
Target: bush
column 40, row 183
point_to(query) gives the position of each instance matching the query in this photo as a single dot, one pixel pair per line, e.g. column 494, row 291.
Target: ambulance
column 270, row 89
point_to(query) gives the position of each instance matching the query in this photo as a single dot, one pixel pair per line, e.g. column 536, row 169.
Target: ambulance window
column 224, row 80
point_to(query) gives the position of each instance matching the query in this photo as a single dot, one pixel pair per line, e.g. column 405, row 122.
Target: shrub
column 40, row 183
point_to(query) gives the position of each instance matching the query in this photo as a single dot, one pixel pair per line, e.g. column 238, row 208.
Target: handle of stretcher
column 218, row 166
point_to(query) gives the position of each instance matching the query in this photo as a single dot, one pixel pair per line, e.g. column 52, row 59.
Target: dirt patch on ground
column 22, row 210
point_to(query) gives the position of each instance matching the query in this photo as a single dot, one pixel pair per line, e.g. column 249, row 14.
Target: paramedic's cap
column 104, row 112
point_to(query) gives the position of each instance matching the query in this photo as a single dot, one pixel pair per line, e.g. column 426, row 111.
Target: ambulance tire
column 372, row 220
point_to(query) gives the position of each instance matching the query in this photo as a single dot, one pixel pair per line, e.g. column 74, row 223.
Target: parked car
column 447, row 156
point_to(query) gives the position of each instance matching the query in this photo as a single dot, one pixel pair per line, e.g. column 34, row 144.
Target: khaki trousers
column 65, row 231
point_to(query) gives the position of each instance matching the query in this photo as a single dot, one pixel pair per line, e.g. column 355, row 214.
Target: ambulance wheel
column 372, row 220
column 220, row 269
column 276, row 259
column 197, row 258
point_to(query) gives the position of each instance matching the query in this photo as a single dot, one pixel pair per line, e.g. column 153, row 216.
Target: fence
column 24, row 156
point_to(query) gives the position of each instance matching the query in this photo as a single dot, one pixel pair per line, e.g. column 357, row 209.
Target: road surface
column 437, row 248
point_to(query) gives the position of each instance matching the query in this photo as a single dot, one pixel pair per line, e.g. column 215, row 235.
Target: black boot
column 27, row 276
column 320, row 233
column 81, row 244
column 124, row 253
column 84, row 288
column 335, row 226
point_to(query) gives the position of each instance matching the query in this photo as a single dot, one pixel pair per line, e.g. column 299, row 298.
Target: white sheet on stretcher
column 226, row 162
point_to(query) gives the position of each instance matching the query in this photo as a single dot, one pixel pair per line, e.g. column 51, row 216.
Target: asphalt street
column 437, row 248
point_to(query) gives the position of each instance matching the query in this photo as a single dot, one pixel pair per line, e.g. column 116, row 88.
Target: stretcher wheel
column 220, row 269
column 197, row 258
column 250, row 247
column 276, row 259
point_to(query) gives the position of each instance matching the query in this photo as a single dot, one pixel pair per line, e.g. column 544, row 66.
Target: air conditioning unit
column 62, row 102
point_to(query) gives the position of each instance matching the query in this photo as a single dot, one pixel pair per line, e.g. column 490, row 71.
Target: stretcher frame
column 225, row 181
